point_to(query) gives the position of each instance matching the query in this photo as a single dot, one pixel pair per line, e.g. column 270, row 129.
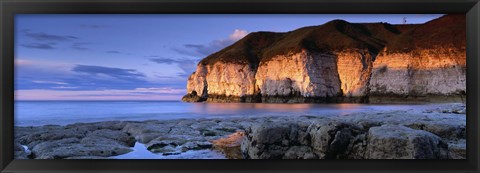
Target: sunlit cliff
column 337, row 62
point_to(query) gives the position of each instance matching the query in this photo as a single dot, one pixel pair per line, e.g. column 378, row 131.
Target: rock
column 271, row 140
column 331, row 140
column 164, row 144
column 136, row 128
column 20, row 152
column 96, row 140
column 300, row 152
column 455, row 108
column 196, row 145
column 111, row 125
column 87, row 157
column 400, row 142
column 117, row 135
column 193, row 97
column 447, row 130
column 51, row 135
column 231, row 145
column 204, row 125
column 147, row 137
column 72, row 147
column 457, row 149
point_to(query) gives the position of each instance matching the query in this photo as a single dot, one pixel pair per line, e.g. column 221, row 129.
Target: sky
column 138, row 56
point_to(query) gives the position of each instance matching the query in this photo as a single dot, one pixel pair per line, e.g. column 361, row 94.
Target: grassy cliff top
column 340, row 35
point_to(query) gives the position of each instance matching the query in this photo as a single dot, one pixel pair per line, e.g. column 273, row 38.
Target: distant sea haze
column 37, row 113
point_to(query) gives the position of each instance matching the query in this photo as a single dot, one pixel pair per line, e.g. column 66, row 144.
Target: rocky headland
column 438, row 133
column 339, row 62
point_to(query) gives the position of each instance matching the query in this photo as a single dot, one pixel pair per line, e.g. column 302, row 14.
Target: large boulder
column 400, row 142
column 334, row 139
column 272, row 140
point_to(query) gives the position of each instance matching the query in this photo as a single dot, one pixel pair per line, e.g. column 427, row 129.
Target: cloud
column 22, row 62
column 187, row 65
column 38, row 46
column 40, row 36
column 49, row 82
column 113, row 51
column 94, row 26
column 214, row 46
column 166, row 93
column 65, row 87
column 80, row 45
column 184, row 75
column 118, row 73
column 51, row 75
column 153, row 56
column 238, row 34
column 167, row 60
column 119, row 52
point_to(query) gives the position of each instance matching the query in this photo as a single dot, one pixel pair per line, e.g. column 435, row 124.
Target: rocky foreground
column 410, row 134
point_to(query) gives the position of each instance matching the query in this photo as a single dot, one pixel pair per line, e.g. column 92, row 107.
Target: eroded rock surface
column 383, row 135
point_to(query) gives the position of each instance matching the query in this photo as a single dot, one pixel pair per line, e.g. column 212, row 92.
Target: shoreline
column 352, row 136
column 222, row 110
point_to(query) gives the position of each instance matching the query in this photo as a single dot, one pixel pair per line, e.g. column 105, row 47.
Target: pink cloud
column 136, row 94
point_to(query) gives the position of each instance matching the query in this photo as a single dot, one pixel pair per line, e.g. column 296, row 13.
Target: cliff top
column 339, row 35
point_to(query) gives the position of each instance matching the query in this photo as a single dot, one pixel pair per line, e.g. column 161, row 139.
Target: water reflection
column 272, row 109
column 61, row 113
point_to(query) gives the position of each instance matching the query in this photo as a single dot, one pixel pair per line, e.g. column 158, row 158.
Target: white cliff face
column 222, row 79
column 300, row 74
column 353, row 73
column 354, row 69
column 230, row 79
column 426, row 72
column 197, row 82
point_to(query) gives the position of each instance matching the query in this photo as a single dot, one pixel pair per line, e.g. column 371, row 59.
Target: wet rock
column 20, row 152
column 147, row 137
column 196, row 145
column 400, row 142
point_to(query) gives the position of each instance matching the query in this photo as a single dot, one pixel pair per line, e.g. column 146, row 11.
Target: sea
column 38, row 113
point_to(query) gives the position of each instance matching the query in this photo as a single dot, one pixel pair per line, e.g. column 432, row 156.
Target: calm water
column 35, row 113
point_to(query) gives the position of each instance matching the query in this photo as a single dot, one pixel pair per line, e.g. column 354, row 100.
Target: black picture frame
column 9, row 8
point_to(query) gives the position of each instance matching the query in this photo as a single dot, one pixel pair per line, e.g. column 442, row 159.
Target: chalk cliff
column 337, row 62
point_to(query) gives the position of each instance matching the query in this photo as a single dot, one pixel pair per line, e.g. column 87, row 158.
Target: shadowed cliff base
column 376, row 99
